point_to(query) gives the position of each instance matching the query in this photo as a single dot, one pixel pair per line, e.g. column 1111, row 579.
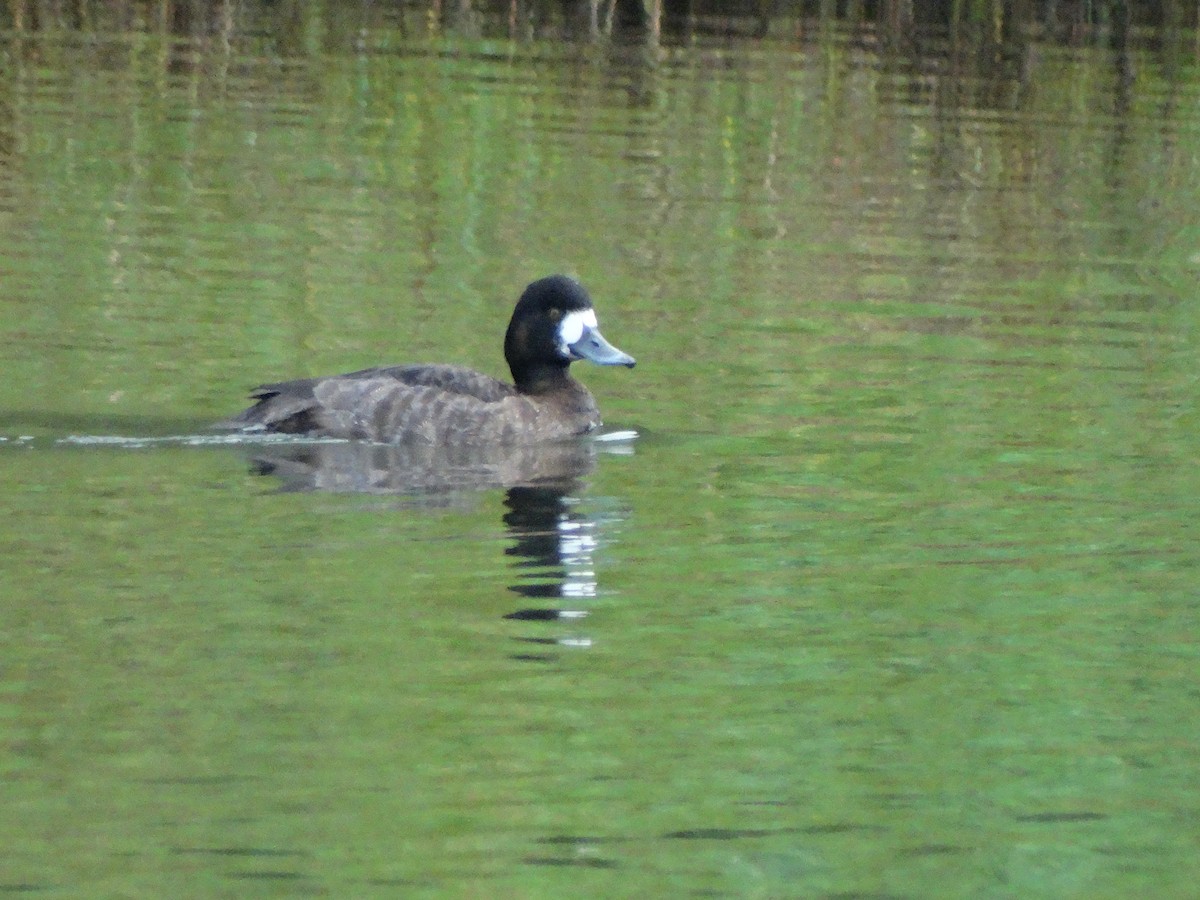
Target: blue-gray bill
column 593, row 347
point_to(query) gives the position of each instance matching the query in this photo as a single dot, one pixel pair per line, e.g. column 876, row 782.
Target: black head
column 553, row 325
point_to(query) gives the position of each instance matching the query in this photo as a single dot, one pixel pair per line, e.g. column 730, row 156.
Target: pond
column 880, row 582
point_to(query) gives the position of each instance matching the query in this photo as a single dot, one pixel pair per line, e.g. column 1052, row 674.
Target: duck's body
column 553, row 325
column 431, row 404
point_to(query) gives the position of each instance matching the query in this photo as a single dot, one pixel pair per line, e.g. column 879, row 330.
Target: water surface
column 893, row 594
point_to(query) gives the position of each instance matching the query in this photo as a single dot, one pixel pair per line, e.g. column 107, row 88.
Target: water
column 890, row 592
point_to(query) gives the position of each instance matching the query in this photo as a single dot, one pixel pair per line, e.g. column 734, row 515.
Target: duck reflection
column 554, row 540
column 555, row 545
column 425, row 473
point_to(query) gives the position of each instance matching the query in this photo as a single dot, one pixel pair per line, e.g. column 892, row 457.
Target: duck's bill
column 593, row 347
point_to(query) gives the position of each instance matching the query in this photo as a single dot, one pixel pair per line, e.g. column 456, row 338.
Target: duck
column 553, row 325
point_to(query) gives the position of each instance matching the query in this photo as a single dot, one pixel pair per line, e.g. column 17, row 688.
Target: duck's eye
column 555, row 314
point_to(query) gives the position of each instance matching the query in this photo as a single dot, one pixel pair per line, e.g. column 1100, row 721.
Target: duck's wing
column 455, row 379
column 396, row 404
column 384, row 407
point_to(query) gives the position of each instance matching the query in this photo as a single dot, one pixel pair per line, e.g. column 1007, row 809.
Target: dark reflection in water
column 583, row 850
column 428, row 475
column 235, row 851
column 549, row 538
column 553, row 540
column 582, row 862
column 553, row 546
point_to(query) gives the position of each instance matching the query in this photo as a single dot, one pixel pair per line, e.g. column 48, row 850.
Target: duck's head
column 553, row 325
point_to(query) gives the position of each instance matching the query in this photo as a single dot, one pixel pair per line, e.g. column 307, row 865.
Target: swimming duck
column 553, row 325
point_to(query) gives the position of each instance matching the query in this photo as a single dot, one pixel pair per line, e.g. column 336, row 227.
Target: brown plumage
column 552, row 325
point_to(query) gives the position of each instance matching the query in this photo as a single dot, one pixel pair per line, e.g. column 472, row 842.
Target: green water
column 894, row 594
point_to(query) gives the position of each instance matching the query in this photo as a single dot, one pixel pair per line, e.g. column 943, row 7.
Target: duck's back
column 451, row 379
column 435, row 404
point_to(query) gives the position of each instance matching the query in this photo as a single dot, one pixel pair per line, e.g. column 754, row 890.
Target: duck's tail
column 285, row 408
